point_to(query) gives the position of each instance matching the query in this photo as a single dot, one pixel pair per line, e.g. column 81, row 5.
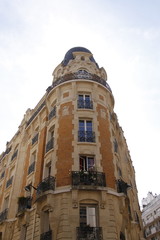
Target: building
column 151, row 216
column 67, row 172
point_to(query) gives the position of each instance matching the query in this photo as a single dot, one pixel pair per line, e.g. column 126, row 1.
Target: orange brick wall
column 106, row 147
column 65, row 148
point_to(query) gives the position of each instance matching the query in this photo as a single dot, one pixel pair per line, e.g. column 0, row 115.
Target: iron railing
column 46, row 184
column 89, row 233
column 9, row 182
column 14, row 155
column 50, row 144
column 86, row 136
column 46, row 235
column 31, row 168
column 122, row 186
column 86, row 104
column 88, row 178
column 52, row 113
column 3, row 215
column 24, row 203
column 35, row 139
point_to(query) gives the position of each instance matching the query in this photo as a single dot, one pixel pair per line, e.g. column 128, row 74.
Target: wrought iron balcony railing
column 31, row 168
column 92, row 233
column 14, row 155
column 46, row 235
column 122, row 186
column 3, row 215
column 88, row 178
column 24, row 203
column 35, row 139
column 86, row 136
column 49, row 144
column 86, row 104
column 9, row 182
column 46, row 184
column 52, row 113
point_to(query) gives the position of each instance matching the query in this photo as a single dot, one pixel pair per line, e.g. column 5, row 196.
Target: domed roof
column 69, row 55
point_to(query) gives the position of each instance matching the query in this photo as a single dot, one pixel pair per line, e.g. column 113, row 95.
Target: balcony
column 3, row 215
column 52, row 113
column 46, row 235
column 35, row 139
column 47, row 184
column 90, row 178
column 85, row 104
column 24, row 203
column 31, row 168
column 92, row 233
column 86, row 136
column 49, row 144
column 122, row 186
column 9, row 182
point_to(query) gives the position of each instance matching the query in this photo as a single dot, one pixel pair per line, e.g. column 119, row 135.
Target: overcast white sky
column 124, row 37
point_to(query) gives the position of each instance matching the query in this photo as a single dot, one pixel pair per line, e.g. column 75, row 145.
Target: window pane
column 87, row 97
column 80, row 97
column 91, row 216
column 81, row 125
column 83, row 217
column 89, row 126
column 90, row 163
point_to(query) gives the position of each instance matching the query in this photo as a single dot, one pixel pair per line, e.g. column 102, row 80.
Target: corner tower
column 80, row 180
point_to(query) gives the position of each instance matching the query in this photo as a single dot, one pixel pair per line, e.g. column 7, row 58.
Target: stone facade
column 67, row 172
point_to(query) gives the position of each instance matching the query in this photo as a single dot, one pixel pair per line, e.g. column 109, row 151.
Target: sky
column 124, row 37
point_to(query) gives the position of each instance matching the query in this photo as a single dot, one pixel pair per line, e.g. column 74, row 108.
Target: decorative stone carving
column 65, row 111
column 103, row 113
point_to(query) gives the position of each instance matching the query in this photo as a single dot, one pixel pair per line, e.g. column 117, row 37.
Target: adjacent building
column 67, row 172
column 151, row 216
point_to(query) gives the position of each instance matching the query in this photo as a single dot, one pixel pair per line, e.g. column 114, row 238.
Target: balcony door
column 86, row 163
column 88, row 216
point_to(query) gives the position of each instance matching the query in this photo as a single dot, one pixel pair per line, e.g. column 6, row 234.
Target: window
column 52, row 112
column 6, row 203
column 86, row 163
column 14, row 154
column 10, row 180
column 85, row 131
column 88, row 216
column 47, row 172
column 46, row 232
column 50, row 143
column 84, row 101
column 35, row 138
column 32, row 163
